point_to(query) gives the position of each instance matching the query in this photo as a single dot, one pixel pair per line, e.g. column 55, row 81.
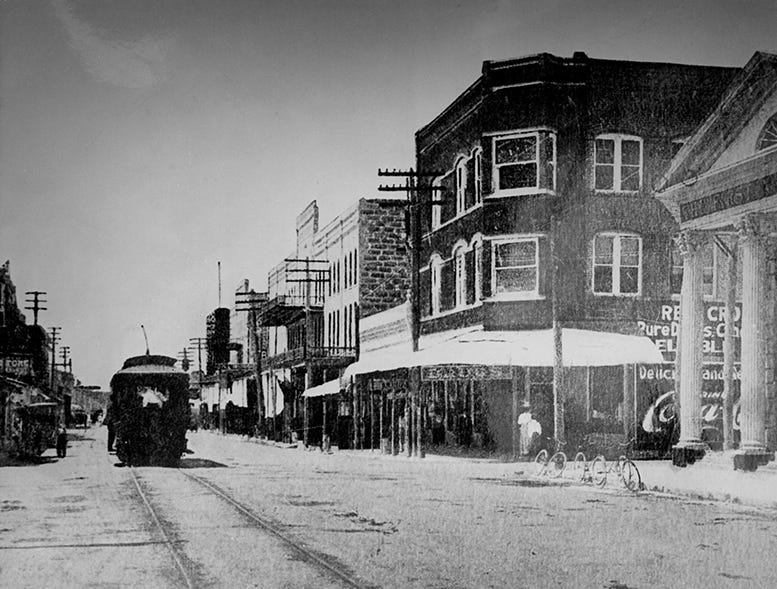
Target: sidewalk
column 710, row 479
column 713, row 478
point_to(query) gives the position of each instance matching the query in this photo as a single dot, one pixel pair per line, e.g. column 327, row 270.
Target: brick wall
column 384, row 276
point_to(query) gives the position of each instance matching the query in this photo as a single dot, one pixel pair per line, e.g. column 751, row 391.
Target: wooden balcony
column 325, row 356
column 286, row 309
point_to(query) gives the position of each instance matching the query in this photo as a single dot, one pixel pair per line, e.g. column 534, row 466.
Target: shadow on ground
column 200, row 463
column 6, row 460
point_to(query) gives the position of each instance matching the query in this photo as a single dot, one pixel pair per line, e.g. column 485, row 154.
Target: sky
column 143, row 142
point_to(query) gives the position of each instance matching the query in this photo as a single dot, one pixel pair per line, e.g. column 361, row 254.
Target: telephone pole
column 64, row 352
column 198, row 343
column 251, row 302
column 413, row 206
column 54, row 339
column 37, row 301
column 183, row 356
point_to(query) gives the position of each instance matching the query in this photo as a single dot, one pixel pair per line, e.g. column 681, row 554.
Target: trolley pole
column 413, row 214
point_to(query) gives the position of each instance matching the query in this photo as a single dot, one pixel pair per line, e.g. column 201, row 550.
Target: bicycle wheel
column 630, row 475
column 579, row 466
column 599, row 470
column 540, row 463
column 558, row 462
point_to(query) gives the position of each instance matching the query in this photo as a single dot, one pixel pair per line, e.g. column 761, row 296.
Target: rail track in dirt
column 187, row 565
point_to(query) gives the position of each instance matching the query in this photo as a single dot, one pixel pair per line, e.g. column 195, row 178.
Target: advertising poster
column 657, row 422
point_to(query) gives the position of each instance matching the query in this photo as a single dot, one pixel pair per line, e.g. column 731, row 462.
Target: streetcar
column 150, row 411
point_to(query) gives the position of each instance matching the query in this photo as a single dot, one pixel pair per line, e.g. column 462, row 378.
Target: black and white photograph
column 414, row 294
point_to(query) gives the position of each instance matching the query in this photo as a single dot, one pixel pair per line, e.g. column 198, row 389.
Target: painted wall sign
column 656, row 399
column 465, row 372
column 16, row 365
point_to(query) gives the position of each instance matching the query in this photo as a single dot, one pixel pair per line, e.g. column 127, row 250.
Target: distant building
column 351, row 268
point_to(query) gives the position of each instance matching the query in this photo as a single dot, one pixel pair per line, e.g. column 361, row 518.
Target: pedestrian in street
column 61, row 441
column 110, row 422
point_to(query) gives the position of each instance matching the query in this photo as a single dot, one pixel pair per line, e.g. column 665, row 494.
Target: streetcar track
column 171, row 545
column 84, row 545
column 308, row 555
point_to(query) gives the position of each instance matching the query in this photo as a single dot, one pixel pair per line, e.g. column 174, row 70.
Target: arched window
column 477, row 156
column 617, row 264
column 768, row 137
column 461, row 186
column 436, row 208
column 617, row 163
column 460, row 269
column 435, row 269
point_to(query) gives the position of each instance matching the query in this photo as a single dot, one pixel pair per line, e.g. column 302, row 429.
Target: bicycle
column 544, row 460
column 596, row 470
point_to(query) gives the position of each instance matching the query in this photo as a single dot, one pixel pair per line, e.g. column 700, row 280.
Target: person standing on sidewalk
column 530, row 431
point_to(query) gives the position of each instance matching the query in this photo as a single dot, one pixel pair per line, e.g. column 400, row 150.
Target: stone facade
column 384, row 275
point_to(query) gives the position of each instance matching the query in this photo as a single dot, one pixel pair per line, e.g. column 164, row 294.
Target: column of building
column 753, row 231
column 690, row 352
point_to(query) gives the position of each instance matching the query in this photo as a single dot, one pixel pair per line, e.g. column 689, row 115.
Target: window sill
column 515, row 296
column 451, row 221
column 618, row 295
column 618, row 192
column 452, row 311
column 519, row 192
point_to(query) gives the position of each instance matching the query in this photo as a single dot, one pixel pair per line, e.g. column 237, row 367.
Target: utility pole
column 319, row 277
column 64, row 352
column 251, row 302
column 413, row 214
column 54, row 340
column 558, row 359
column 199, row 342
column 36, row 301
column 183, row 356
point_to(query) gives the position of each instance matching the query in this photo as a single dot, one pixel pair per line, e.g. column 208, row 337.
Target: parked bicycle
column 597, row 470
column 551, row 465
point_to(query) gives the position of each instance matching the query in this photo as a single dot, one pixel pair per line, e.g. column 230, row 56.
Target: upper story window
column 768, row 136
column 617, row 163
column 460, row 269
column 477, row 156
column 437, row 195
column 515, row 267
column 524, row 163
column 435, row 269
column 461, row 186
column 709, row 255
column 617, row 264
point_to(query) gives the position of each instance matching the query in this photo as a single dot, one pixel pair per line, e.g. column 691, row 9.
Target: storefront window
column 606, row 398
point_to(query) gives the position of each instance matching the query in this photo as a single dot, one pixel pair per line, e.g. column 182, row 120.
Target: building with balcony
column 350, row 268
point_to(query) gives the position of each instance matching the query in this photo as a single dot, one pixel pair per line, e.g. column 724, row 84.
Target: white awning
column 580, row 347
column 328, row 388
